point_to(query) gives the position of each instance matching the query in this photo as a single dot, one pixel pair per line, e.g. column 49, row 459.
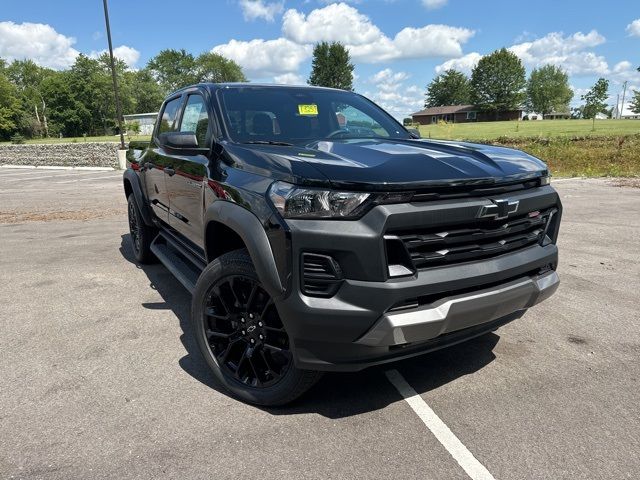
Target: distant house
column 145, row 120
column 626, row 113
column 558, row 116
column 461, row 114
column 532, row 116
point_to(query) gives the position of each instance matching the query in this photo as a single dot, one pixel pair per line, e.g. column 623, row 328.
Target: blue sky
column 397, row 46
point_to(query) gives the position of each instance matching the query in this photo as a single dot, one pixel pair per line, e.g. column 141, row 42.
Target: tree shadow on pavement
column 336, row 395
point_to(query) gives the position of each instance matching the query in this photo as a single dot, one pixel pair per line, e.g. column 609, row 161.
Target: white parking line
column 79, row 176
column 54, row 167
column 566, row 179
column 15, row 174
column 445, row 436
column 84, row 178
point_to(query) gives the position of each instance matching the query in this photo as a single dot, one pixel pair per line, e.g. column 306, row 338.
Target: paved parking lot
column 99, row 376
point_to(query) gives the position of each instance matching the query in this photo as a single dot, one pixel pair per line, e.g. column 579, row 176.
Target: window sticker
column 311, row 109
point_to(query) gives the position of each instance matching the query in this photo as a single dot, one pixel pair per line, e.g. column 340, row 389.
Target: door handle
column 169, row 171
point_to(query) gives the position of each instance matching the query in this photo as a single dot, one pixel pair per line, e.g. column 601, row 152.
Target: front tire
column 241, row 336
column 141, row 234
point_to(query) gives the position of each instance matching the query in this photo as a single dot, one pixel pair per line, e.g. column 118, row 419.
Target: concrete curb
column 48, row 167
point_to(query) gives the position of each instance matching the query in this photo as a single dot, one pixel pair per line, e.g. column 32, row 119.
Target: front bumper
column 335, row 334
column 364, row 324
column 460, row 311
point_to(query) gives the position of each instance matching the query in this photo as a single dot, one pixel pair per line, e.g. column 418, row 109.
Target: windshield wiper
column 269, row 142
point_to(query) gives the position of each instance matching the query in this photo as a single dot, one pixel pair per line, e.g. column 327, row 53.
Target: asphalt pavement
column 100, row 377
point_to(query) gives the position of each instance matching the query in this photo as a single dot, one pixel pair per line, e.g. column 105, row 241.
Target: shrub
column 17, row 139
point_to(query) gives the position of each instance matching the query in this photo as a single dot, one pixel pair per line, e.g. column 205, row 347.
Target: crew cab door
column 186, row 181
column 157, row 160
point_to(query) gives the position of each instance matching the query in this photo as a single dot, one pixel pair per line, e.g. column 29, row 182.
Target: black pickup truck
column 316, row 233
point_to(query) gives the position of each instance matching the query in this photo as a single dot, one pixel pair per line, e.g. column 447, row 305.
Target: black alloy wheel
column 141, row 234
column 134, row 228
column 241, row 335
column 244, row 331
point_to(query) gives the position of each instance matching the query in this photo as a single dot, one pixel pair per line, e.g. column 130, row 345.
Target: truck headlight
column 298, row 202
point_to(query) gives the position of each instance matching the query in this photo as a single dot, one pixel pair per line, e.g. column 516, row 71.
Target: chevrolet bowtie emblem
column 499, row 210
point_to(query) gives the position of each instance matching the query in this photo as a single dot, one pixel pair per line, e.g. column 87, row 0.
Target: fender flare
column 247, row 225
column 133, row 179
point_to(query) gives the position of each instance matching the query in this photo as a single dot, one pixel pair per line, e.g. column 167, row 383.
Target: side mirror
column 415, row 133
column 179, row 140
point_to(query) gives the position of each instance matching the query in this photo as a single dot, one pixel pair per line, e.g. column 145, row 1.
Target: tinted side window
column 169, row 116
column 196, row 119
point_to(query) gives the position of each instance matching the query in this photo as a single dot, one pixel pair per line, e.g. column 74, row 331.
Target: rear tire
column 241, row 336
column 141, row 234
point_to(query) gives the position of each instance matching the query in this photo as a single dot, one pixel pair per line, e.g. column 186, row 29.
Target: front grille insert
column 482, row 238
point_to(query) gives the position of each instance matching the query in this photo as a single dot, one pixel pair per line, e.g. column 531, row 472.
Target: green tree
column 147, row 95
column 67, row 116
column 28, row 78
column 92, row 86
column 634, row 104
column 595, row 99
column 211, row 67
column 9, row 107
column 548, row 90
column 331, row 66
column 498, row 82
column 173, row 69
column 448, row 88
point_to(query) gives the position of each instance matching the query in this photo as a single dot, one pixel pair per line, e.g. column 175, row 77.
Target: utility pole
column 618, row 108
column 113, row 74
column 624, row 94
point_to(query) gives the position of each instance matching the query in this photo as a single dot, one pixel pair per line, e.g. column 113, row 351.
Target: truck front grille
column 478, row 239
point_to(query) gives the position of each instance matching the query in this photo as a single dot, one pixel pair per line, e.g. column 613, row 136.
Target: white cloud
column 388, row 78
column 392, row 94
column 634, row 28
column 624, row 71
column 38, row 42
column 621, row 67
column 568, row 52
column 264, row 58
column 433, row 4
column 572, row 53
column 463, row 64
column 128, row 55
column 254, row 9
column 365, row 41
column 337, row 21
column 431, row 41
column 289, row 79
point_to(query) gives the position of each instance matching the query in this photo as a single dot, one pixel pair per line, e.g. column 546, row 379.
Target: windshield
column 287, row 115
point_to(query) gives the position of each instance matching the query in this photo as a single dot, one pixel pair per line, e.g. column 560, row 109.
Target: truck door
column 157, row 160
column 186, row 185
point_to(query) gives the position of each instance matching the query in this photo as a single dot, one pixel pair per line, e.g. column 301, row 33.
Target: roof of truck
column 218, row 86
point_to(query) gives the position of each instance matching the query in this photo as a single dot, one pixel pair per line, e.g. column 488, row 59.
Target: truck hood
column 381, row 164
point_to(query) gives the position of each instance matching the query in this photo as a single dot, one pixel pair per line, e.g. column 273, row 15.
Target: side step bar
column 178, row 259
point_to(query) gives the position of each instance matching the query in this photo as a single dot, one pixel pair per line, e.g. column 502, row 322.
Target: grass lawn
column 532, row 128
column 108, row 138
